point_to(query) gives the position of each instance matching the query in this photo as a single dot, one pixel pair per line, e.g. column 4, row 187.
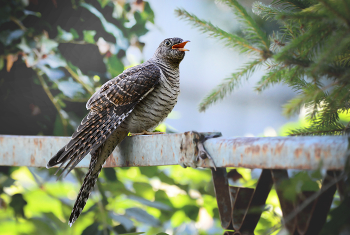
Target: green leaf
column 34, row 13
column 24, row 46
column 109, row 27
column 70, row 88
column 47, row 45
column 127, row 223
column 18, row 203
column 103, row 3
column 43, row 225
column 142, row 216
column 74, row 33
column 110, row 174
column 148, row 13
column 154, row 204
column 191, row 211
column 54, row 74
column 54, row 61
column 64, row 35
column 91, row 229
column 1, row 63
column 142, row 189
column 149, row 171
column 89, row 36
column 115, row 66
column 133, row 233
column 16, row 34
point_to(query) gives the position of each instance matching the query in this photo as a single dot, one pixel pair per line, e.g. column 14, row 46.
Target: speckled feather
column 135, row 101
column 109, row 106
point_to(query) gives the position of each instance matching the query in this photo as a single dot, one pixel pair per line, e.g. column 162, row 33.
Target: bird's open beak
column 180, row 46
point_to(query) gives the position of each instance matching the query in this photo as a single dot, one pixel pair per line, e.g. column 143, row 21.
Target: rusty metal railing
column 237, row 206
column 171, row 149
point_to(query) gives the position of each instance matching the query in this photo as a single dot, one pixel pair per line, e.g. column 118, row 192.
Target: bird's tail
column 98, row 158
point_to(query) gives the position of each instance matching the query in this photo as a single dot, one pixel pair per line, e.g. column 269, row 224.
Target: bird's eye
column 167, row 43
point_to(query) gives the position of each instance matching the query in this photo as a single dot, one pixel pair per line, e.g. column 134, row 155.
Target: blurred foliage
column 309, row 51
column 53, row 56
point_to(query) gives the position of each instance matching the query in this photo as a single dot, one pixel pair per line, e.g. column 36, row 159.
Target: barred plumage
column 135, row 101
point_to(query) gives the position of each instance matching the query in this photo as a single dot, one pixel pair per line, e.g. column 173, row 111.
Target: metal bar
column 302, row 152
column 222, row 194
column 287, row 206
column 322, row 205
column 257, row 202
column 241, row 205
column 172, row 149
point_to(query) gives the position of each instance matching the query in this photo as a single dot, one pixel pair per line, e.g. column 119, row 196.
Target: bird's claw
column 147, row 133
column 202, row 153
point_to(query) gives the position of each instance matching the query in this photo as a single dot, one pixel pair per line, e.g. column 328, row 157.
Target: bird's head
column 171, row 50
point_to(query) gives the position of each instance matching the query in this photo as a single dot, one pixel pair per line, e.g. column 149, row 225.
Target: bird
column 135, row 101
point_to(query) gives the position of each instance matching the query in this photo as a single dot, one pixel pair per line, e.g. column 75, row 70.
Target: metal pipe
column 171, row 149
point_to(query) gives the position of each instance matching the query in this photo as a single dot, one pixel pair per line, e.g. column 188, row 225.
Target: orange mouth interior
column 180, row 46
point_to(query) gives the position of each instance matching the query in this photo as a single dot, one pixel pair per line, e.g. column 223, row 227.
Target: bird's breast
column 156, row 106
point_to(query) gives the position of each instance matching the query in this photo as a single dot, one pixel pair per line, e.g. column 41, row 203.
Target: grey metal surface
column 172, row 149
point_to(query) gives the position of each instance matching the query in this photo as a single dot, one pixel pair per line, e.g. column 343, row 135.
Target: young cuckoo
column 135, row 101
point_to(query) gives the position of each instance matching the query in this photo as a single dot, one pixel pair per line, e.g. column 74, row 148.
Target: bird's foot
column 147, row 133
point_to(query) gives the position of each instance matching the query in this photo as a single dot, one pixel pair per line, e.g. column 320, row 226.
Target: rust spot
column 317, row 153
column 1, row 140
column 278, row 148
column 265, row 148
column 161, row 151
column 127, row 163
column 173, row 155
column 110, row 162
column 253, row 149
column 32, row 160
column 326, row 153
column 307, row 156
column 298, row 152
column 143, row 158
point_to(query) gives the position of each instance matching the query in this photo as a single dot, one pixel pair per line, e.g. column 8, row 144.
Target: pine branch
column 343, row 60
column 299, row 42
column 251, row 26
column 336, row 10
column 304, row 16
column 266, row 12
column 291, row 5
column 338, row 129
column 273, row 77
column 337, row 43
column 206, row 27
column 229, row 85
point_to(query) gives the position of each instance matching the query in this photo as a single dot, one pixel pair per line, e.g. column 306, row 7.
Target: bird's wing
column 109, row 107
